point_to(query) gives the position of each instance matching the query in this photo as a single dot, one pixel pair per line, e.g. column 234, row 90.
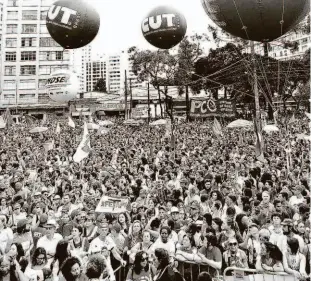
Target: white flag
column 2, row 123
column 84, row 147
column 57, row 131
column 71, row 123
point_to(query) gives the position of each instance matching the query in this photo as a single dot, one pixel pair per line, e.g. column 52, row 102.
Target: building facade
column 29, row 54
column 116, row 66
column 94, row 71
column 79, row 59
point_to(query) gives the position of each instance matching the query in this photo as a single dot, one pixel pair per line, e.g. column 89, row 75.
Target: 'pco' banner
column 206, row 107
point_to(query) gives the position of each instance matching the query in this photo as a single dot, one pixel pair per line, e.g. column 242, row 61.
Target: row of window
column 29, row 3
column 44, row 55
column 26, row 15
column 26, row 29
column 31, row 42
column 31, row 69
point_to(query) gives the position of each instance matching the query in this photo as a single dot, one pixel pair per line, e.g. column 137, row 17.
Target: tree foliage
column 165, row 68
column 100, row 86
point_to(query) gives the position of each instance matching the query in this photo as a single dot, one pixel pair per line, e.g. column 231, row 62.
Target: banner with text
column 113, row 205
column 207, row 107
column 140, row 112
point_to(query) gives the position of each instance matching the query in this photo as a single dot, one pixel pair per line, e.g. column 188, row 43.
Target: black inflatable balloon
column 72, row 23
column 255, row 20
column 164, row 27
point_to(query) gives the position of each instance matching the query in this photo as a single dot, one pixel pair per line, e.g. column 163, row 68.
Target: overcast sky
column 121, row 21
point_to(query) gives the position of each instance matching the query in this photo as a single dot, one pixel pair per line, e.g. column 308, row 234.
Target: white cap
column 174, row 210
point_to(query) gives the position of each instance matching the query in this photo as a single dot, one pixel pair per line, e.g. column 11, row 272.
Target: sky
column 121, row 22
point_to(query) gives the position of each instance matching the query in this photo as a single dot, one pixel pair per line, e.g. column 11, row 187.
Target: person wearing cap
column 50, row 240
column 288, row 232
column 104, row 240
column 252, row 244
column 24, row 236
column 39, row 230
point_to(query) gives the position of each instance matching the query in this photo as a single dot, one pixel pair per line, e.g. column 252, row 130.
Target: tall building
column 116, row 66
column 79, row 58
column 29, row 54
column 94, row 71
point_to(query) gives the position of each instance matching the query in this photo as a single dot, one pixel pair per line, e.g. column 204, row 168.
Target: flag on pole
column 292, row 120
column 7, row 117
column 308, row 115
column 44, row 119
column 84, row 147
column 57, row 131
column 275, row 116
column 2, row 123
column 217, row 127
column 259, row 144
column 71, row 123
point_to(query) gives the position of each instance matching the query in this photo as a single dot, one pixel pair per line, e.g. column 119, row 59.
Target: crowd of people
column 197, row 203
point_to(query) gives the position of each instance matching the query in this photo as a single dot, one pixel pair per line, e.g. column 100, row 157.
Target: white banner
column 112, row 205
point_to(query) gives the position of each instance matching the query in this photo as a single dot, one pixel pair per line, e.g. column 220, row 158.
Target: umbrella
column 132, row 122
column 159, row 122
column 270, row 128
column 38, row 130
column 92, row 126
column 105, row 123
column 240, row 123
column 303, row 137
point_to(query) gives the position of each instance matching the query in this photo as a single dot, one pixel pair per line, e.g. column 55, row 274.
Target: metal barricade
column 254, row 275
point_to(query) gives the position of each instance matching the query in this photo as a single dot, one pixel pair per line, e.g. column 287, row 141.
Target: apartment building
column 94, row 71
column 29, row 54
column 116, row 66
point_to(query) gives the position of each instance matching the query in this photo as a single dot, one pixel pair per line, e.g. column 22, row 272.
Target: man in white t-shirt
column 50, row 240
column 104, row 241
column 297, row 198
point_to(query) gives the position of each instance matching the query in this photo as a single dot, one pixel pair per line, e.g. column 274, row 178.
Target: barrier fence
column 190, row 271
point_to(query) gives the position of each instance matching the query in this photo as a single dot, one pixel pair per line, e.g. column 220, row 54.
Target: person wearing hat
column 24, row 236
column 50, row 240
column 39, row 230
column 288, row 232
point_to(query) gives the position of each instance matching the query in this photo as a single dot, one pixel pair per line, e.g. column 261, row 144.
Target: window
column 26, row 96
column 11, row 42
column 28, row 70
column 43, row 29
column 28, row 56
column 54, row 55
column 42, row 83
column 9, row 84
column 48, row 42
column 29, row 15
column 28, row 42
column 27, row 84
column 44, row 69
column 29, row 28
column 59, row 55
column 12, row 3
column 12, row 15
column 10, row 56
column 48, row 69
column 9, row 70
column 9, row 96
column 11, row 28
column 43, row 15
